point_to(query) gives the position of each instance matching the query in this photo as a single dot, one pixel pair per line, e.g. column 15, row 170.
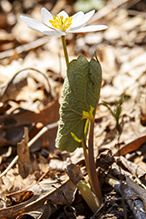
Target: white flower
column 61, row 24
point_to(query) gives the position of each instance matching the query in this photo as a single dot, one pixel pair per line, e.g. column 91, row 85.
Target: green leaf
column 80, row 94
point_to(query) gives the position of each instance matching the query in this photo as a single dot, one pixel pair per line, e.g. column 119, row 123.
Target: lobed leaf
column 80, row 94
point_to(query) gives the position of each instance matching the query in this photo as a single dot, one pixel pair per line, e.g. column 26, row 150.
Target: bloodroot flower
column 61, row 24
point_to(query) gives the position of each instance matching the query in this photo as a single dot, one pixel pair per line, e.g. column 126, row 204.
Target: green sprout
column 117, row 112
column 80, row 95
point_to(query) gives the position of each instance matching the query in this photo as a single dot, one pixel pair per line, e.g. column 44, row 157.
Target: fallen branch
column 132, row 199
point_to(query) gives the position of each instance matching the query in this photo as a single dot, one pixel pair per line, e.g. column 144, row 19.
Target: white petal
column 88, row 15
column 76, row 19
column 54, row 32
column 46, row 16
column 80, row 19
column 63, row 13
column 36, row 25
column 90, row 28
column 77, row 16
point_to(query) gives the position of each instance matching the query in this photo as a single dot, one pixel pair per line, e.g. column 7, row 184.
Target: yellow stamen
column 60, row 23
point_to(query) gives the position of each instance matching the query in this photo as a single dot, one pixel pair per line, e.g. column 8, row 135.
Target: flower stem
column 65, row 50
column 92, row 169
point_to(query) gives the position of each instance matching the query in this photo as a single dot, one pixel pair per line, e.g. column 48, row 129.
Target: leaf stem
column 86, row 157
column 92, row 169
column 65, row 50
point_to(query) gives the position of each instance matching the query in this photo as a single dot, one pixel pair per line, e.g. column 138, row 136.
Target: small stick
column 24, row 48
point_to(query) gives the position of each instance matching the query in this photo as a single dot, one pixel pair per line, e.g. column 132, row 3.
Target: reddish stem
column 92, row 168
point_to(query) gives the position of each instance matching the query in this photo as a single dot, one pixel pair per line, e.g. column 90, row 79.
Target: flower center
column 60, row 23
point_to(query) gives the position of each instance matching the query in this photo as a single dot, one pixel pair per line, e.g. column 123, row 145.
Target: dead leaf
column 25, row 164
column 42, row 212
column 133, row 168
column 132, row 146
column 43, row 191
column 10, row 89
column 14, row 123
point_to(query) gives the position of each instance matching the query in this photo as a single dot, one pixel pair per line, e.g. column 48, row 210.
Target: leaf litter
column 47, row 189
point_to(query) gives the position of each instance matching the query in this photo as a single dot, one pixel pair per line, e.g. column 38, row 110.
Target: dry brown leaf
column 41, row 192
column 133, row 168
column 14, row 123
column 42, row 212
column 132, row 146
column 25, row 164
column 10, row 89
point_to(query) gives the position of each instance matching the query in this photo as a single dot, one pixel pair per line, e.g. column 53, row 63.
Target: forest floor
column 36, row 179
